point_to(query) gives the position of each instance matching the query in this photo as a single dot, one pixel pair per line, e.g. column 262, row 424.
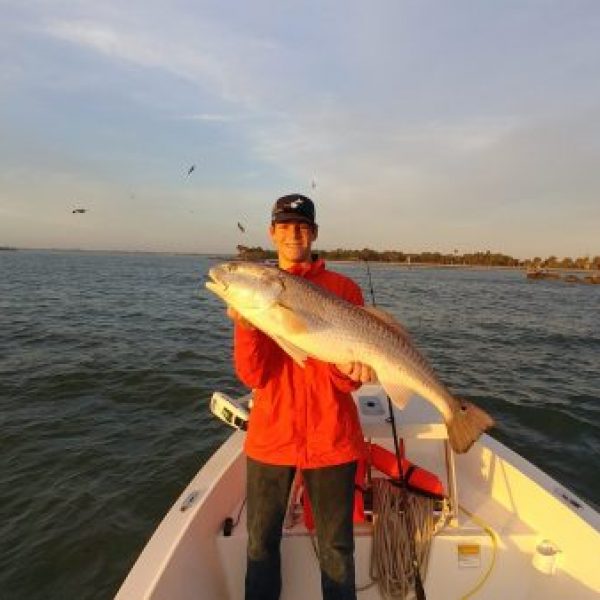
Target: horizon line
column 317, row 250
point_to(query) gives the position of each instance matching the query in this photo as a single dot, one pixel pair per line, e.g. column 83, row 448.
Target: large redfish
column 307, row 320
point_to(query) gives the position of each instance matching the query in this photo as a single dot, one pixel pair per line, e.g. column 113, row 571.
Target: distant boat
column 542, row 274
column 566, row 278
column 591, row 279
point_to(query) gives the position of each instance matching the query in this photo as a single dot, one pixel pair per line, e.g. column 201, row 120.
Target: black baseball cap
column 293, row 207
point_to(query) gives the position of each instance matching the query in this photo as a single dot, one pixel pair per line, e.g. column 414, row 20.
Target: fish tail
column 466, row 424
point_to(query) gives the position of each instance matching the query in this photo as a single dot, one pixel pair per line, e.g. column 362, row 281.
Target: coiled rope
column 393, row 529
column 391, row 567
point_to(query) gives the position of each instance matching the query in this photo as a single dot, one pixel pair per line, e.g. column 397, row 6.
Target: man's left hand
column 358, row 372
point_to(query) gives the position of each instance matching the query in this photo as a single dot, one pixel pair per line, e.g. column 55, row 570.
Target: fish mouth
column 216, row 283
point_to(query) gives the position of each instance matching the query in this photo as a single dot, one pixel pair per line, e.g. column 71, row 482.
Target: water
column 107, row 363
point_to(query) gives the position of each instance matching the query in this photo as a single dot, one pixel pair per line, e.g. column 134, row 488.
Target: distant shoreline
column 82, row 251
column 374, row 263
column 431, row 265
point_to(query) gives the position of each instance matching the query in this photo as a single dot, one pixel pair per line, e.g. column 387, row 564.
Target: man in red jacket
column 302, row 418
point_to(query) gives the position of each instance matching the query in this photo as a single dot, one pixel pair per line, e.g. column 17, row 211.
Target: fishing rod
column 419, row 589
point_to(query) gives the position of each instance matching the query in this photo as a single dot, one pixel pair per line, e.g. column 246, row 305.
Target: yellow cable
column 492, row 534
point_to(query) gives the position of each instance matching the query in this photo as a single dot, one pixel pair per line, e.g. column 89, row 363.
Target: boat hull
column 189, row 558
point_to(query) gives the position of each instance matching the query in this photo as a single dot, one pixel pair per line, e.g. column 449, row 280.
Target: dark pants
column 331, row 492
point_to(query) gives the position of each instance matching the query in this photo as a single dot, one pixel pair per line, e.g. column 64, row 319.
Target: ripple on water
column 109, row 362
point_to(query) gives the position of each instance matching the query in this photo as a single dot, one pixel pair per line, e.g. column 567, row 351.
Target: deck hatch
column 371, row 406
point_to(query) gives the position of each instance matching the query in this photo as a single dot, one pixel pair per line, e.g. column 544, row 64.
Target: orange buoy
column 417, row 479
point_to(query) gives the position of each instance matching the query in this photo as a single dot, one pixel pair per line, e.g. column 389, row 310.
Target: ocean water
column 107, row 363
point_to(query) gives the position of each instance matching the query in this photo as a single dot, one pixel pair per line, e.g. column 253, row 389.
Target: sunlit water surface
column 107, row 363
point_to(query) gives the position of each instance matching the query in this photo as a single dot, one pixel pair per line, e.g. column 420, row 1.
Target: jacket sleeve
column 342, row 382
column 256, row 356
column 353, row 294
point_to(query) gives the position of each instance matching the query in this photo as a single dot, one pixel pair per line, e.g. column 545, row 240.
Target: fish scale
column 307, row 320
column 376, row 337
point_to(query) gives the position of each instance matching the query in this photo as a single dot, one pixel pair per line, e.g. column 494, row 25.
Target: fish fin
column 296, row 353
column 387, row 318
column 399, row 394
column 290, row 320
column 466, row 424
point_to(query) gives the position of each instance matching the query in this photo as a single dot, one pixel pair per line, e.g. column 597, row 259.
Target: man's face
column 293, row 241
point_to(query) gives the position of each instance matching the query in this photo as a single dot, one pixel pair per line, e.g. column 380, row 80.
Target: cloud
column 505, row 182
column 207, row 55
column 212, row 117
column 382, row 155
column 407, row 135
column 140, row 48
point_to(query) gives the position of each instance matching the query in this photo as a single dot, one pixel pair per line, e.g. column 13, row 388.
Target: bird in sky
column 313, row 184
column 79, row 211
column 241, row 227
column 191, row 170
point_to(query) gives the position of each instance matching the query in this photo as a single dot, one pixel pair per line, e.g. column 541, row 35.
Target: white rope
column 393, row 528
column 391, row 567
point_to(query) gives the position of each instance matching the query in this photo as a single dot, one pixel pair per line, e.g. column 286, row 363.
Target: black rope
column 419, row 590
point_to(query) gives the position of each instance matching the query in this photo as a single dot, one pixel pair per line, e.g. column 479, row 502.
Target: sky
column 414, row 125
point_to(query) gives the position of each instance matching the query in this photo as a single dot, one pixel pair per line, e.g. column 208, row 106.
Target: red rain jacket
column 302, row 417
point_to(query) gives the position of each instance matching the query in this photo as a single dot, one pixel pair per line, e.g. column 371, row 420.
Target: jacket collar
column 308, row 270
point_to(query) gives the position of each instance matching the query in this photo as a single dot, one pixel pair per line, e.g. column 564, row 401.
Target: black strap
column 240, row 423
column 409, row 473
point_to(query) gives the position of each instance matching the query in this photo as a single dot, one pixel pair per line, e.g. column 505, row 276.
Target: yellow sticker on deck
column 469, row 555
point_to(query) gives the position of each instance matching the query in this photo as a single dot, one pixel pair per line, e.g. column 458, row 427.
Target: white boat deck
column 189, row 558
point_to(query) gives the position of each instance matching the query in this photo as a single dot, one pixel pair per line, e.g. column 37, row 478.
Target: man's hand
column 235, row 316
column 358, row 372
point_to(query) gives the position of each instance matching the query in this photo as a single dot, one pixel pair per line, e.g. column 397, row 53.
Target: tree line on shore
column 487, row 258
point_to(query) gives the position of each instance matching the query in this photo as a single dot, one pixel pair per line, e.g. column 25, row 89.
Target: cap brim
column 291, row 217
